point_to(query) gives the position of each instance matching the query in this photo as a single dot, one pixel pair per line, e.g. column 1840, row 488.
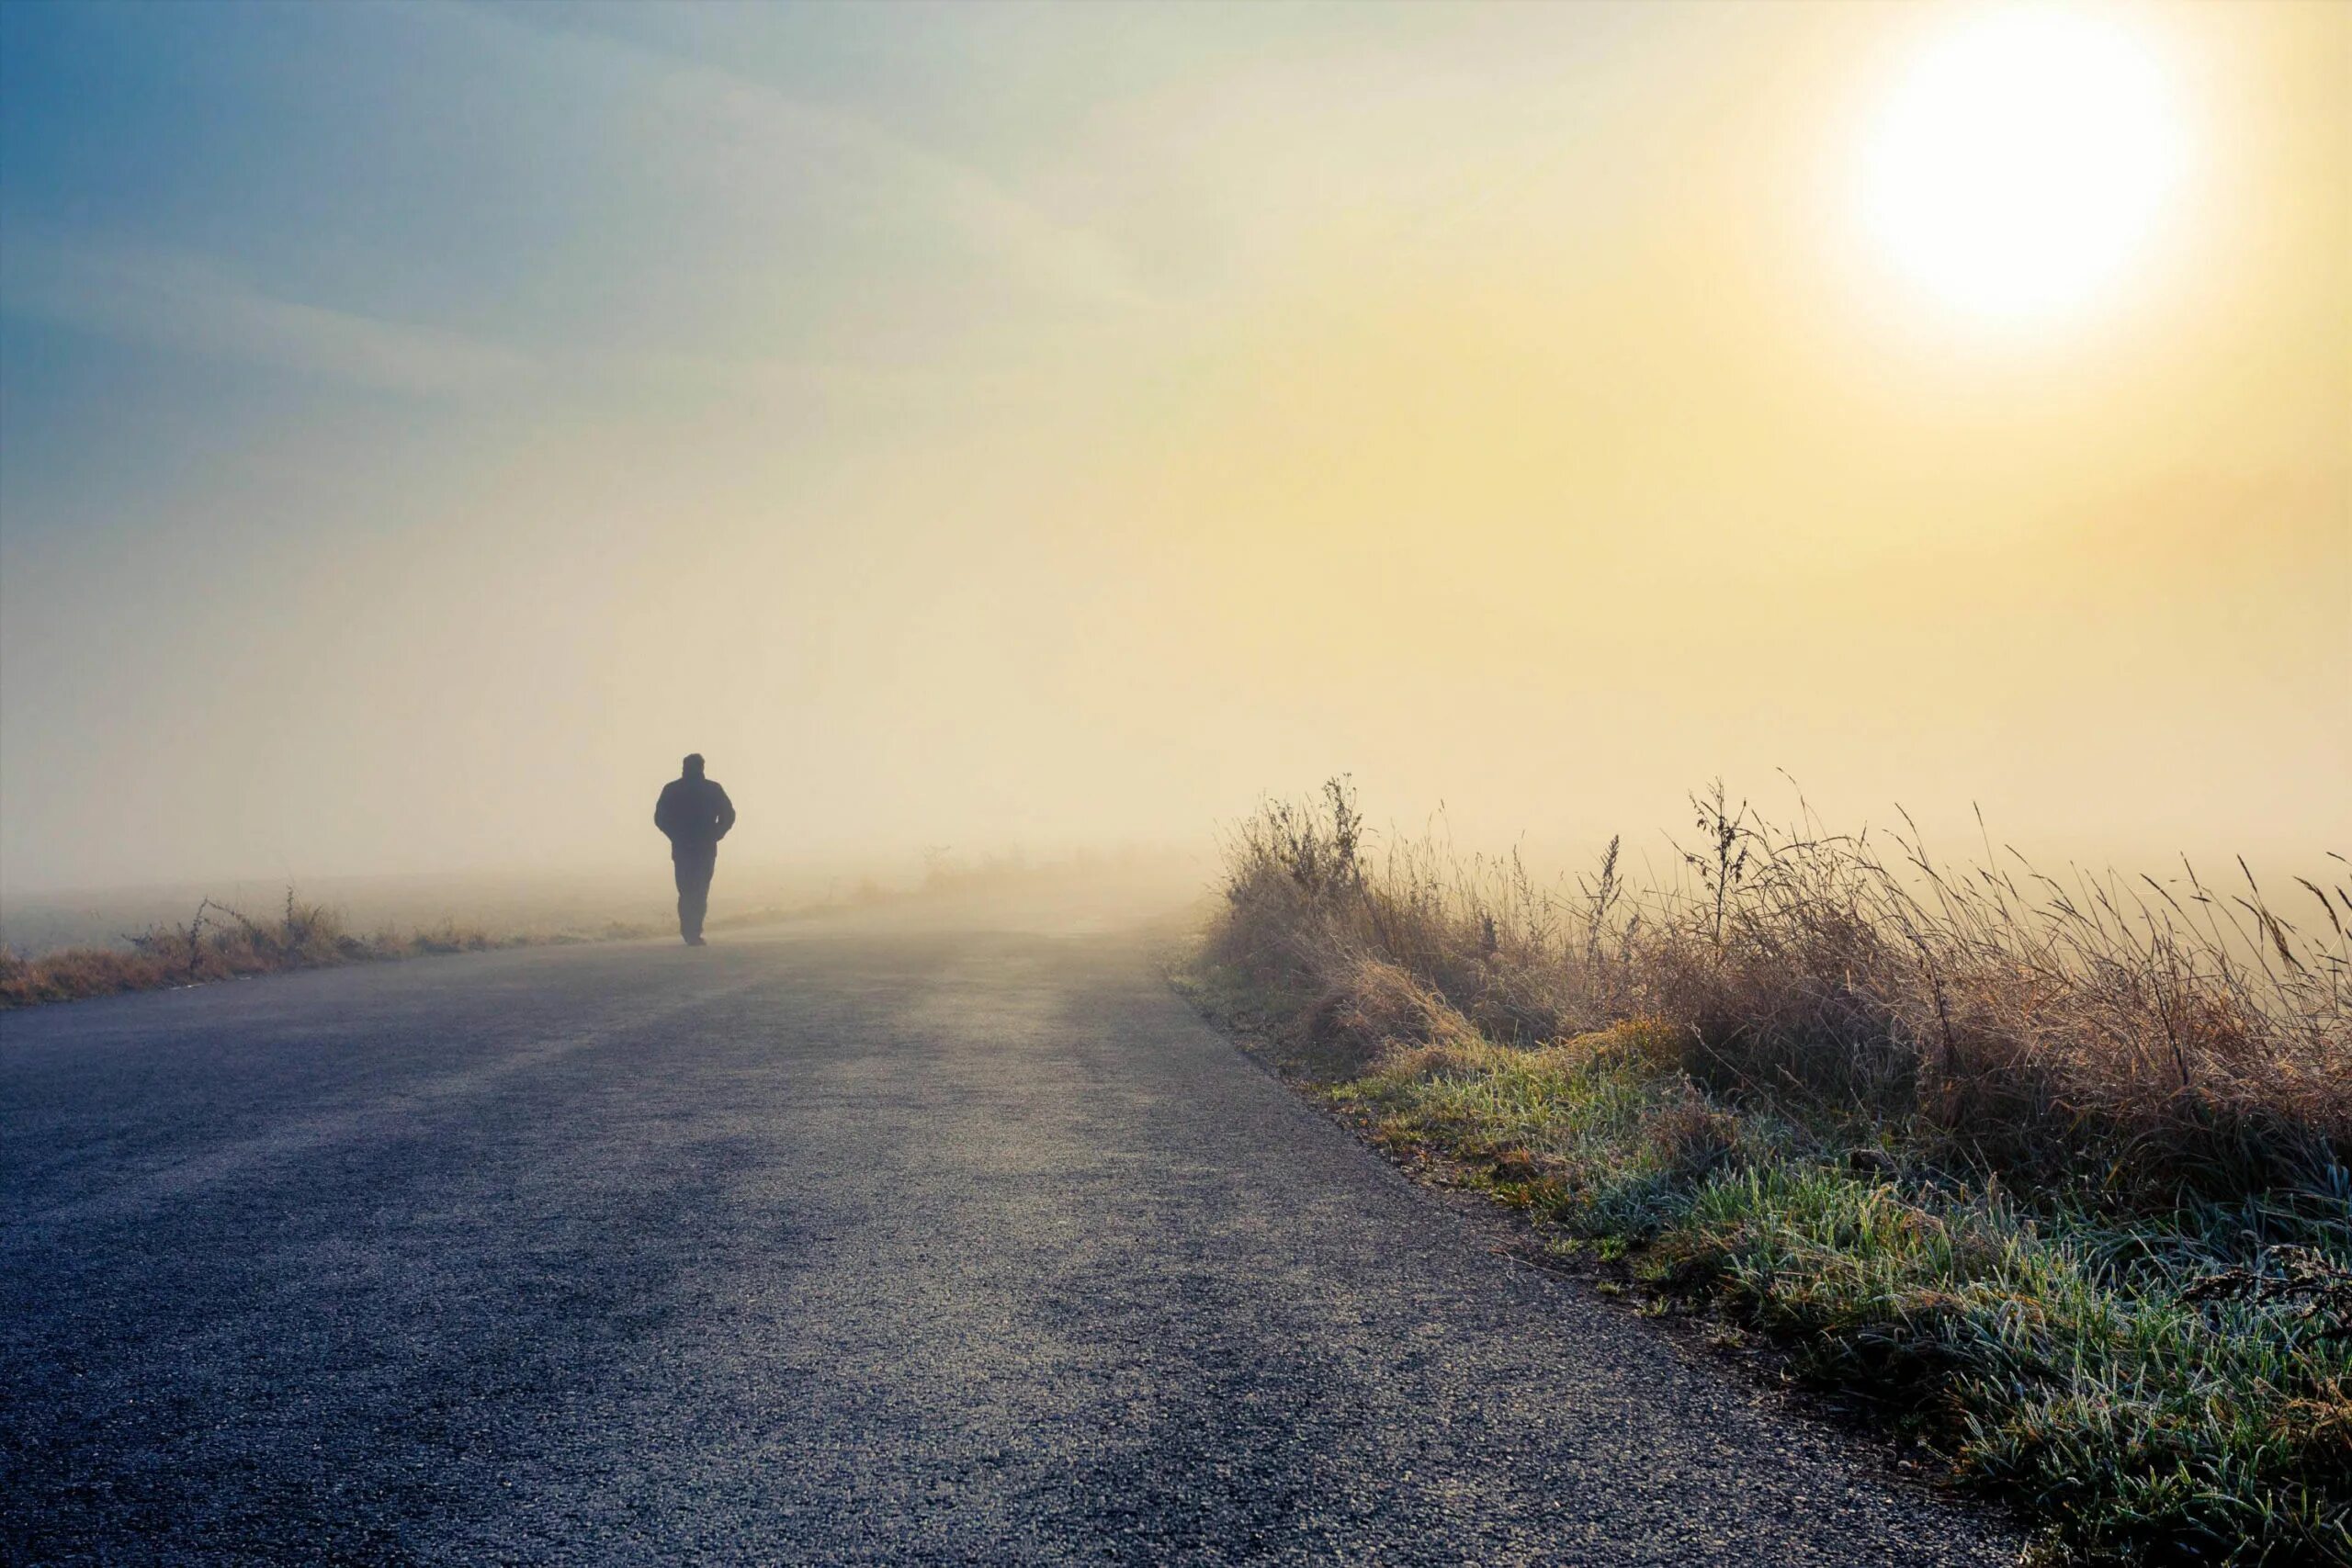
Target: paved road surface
column 818, row 1244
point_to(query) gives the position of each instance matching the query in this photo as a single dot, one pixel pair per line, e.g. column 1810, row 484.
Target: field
column 2050, row 1174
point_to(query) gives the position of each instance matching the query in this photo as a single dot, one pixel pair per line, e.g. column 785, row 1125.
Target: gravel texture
column 818, row 1244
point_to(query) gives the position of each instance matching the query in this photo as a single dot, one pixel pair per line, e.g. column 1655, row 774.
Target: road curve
column 819, row 1244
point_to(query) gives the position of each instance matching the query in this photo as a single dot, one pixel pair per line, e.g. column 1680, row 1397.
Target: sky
column 1004, row 426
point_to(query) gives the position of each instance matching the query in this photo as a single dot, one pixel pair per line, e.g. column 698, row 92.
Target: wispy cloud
column 180, row 300
column 720, row 123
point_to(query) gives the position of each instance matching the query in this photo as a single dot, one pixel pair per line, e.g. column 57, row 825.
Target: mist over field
column 1037, row 429
column 1080, row 891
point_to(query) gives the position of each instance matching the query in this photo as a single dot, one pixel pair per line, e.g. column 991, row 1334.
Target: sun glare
column 2023, row 161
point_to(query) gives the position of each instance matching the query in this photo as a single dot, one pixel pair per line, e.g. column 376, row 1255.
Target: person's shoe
column 693, row 941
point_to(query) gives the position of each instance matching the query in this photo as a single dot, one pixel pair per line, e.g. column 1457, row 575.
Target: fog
column 1004, row 429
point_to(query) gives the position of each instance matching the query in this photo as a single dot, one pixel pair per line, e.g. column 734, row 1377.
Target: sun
column 2023, row 161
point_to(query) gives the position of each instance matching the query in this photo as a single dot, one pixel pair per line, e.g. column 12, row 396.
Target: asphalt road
column 819, row 1244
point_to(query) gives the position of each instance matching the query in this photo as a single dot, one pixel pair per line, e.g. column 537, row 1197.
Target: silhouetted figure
column 695, row 813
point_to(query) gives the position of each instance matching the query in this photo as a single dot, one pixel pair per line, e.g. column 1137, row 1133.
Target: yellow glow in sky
column 993, row 425
column 2024, row 161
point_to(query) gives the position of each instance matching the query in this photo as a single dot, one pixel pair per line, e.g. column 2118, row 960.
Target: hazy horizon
column 1011, row 425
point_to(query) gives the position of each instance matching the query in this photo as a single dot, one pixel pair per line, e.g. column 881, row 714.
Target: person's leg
column 693, row 898
column 682, row 864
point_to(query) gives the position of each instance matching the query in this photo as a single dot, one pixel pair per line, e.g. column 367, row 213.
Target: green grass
column 2048, row 1351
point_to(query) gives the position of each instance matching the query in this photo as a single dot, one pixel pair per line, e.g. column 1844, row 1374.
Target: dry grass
column 2052, row 1174
column 222, row 944
column 2142, row 1037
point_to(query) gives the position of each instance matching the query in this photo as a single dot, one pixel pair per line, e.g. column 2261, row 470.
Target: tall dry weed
column 2135, row 1038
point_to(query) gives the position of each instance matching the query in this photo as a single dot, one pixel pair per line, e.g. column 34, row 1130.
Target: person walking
column 695, row 814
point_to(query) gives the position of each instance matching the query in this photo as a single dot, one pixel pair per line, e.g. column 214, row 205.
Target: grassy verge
column 2108, row 1274
column 221, row 943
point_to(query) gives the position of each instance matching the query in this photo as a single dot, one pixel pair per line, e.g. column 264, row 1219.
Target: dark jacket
column 695, row 813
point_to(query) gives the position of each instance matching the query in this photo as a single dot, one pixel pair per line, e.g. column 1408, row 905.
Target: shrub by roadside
column 2067, row 1203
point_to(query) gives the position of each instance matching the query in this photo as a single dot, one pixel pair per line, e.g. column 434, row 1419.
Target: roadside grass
column 222, row 944
column 1926, row 1180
